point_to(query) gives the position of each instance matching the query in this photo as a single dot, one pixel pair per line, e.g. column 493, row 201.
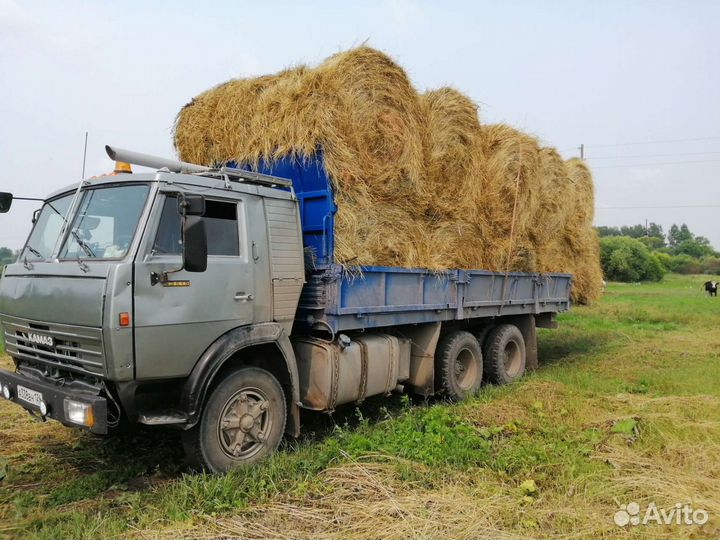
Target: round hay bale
column 581, row 247
column 381, row 123
column 552, row 257
column 580, row 176
column 453, row 152
column 457, row 244
column 358, row 107
column 584, row 253
column 512, row 163
column 453, row 123
column 212, row 126
column 553, row 188
column 374, row 233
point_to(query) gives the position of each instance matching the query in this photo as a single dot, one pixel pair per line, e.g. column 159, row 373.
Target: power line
column 654, row 164
column 657, row 207
column 655, row 155
column 694, row 139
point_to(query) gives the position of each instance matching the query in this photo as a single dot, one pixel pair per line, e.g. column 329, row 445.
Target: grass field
column 625, row 407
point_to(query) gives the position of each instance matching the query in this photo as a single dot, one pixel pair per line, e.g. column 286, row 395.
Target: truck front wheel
column 504, row 354
column 243, row 422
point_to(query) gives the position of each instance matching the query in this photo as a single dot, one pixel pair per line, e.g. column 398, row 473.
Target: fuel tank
column 335, row 373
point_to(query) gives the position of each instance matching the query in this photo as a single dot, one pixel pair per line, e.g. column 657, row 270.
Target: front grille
column 75, row 348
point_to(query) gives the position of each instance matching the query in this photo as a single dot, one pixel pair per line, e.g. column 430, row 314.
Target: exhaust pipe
column 154, row 162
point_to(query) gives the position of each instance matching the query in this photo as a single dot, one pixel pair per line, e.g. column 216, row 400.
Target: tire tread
column 192, row 438
column 494, row 348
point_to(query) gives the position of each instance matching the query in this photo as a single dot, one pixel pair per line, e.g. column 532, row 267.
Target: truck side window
column 221, row 227
column 169, row 235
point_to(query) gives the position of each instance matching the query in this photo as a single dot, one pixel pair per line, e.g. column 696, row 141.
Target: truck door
column 176, row 321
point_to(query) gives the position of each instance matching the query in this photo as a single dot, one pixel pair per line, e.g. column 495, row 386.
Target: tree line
column 8, row 256
column 645, row 252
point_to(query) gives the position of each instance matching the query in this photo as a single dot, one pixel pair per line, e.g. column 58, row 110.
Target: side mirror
column 194, row 244
column 194, row 239
column 191, row 205
column 36, row 215
column 6, row 200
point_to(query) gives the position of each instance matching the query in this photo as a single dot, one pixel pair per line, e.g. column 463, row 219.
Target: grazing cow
column 711, row 287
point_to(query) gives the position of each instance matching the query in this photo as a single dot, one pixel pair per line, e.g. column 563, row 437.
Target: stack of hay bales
column 418, row 180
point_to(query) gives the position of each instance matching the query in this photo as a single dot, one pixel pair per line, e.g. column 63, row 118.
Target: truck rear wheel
column 459, row 365
column 504, row 356
column 243, row 422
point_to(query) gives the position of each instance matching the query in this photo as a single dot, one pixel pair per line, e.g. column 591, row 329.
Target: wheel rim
column 244, row 424
column 512, row 359
column 465, row 369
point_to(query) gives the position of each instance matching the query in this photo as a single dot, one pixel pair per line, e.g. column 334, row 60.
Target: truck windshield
column 105, row 222
column 47, row 228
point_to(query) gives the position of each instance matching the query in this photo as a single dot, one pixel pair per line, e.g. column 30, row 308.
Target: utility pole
column 647, row 233
column 582, row 151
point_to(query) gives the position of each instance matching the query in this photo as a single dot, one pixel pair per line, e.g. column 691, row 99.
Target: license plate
column 30, row 396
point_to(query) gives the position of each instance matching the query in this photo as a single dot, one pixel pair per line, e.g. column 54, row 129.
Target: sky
column 636, row 82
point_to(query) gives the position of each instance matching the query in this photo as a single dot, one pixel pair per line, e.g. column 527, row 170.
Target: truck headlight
column 5, row 391
column 78, row 412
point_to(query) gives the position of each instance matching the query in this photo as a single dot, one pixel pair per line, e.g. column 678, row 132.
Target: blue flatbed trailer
column 337, row 299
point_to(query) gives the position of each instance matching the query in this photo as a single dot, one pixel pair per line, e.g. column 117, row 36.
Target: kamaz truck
column 208, row 300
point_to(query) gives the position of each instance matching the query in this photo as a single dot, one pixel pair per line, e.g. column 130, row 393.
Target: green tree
column 702, row 241
column 678, row 235
column 653, row 242
column 7, row 256
column 604, row 230
column 665, row 260
column 639, row 231
column 633, row 231
column 685, row 264
column 710, row 265
column 656, row 230
column 627, row 259
column 693, row 248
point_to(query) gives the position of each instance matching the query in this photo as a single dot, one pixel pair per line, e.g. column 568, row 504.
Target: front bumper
column 54, row 397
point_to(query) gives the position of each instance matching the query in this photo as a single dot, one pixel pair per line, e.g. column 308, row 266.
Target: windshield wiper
column 56, row 211
column 82, row 244
column 27, row 264
column 34, row 251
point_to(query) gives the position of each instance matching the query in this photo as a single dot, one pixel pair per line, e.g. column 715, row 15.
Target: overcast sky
column 616, row 76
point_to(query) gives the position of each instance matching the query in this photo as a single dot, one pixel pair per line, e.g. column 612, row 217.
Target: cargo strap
column 335, row 380
column 362, row 390
column 389, row 382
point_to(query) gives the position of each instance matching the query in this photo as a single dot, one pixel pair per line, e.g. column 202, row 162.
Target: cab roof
column 185, row 182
